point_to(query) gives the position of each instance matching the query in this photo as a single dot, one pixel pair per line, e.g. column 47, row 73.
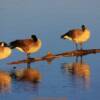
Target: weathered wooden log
column 49, row 57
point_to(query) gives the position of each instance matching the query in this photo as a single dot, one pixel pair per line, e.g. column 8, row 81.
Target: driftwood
column 49, row 57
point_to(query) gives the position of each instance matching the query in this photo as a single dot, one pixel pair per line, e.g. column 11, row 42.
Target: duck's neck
column 34, row 39
column 84, row 28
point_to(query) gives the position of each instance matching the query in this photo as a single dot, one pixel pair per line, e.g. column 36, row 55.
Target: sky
column 47, row 18
column 19, row 16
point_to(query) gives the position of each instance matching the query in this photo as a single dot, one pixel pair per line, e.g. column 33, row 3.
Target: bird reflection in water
column 28, row 74
column 27, row 78
column 5, row 81
column 79, row 69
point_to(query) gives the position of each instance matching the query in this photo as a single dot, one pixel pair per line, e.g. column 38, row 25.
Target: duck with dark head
column 78, row 36
column 28, row 46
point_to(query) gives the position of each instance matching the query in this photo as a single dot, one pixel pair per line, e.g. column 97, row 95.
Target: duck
column 28, row 46
column 77, row 36
column 5, row 50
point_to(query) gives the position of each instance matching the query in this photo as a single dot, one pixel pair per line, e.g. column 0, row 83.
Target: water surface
column 48, row 19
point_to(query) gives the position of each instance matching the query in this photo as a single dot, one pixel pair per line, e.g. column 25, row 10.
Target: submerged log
column 49, row 57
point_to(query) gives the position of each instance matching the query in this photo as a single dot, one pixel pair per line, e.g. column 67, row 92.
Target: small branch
column 49, row 57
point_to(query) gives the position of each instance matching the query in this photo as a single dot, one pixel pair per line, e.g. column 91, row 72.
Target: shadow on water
column 28, row 79
column 79, row 71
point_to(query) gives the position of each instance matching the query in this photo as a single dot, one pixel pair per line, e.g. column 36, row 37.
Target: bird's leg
column 28, row 65
column 28, row 60
column 28, row 55
column 81, row 59
column 76, row 45
column 81, row 46
column 76, row 59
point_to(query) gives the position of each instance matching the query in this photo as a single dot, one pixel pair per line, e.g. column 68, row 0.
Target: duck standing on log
column 28, row 46
column 78, row 36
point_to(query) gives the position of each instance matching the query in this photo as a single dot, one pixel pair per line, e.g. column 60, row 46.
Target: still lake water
column 49, row 19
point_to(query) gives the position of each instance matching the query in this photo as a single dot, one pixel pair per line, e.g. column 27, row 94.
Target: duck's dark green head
column 34, row 38
column 83, row 27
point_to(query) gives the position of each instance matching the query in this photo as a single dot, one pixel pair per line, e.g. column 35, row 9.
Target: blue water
column 49, row 19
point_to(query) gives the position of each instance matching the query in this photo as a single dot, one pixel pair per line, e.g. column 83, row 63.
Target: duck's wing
column 21, row 43
column 27, row 42
column 74, row 33
column 24, row 44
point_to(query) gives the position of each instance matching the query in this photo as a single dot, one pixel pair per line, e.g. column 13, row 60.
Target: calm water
column 49, row 19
